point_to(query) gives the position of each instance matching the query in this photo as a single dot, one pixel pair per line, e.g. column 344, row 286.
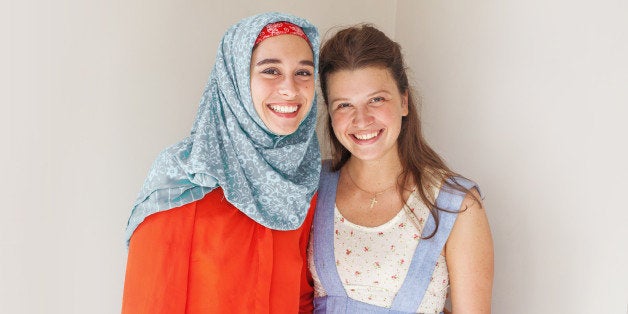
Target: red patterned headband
column 280, row 28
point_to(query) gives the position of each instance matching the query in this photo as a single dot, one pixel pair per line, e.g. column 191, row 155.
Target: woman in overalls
column 394, row 227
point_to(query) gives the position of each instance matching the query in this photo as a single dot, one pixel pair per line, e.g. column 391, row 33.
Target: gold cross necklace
column 374, row 194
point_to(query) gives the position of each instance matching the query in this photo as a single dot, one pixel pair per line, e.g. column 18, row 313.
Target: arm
column 469, row 255
column 157, row 264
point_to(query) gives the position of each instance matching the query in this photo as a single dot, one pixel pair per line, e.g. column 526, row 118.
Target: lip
column 287, row 114
column 354, row 136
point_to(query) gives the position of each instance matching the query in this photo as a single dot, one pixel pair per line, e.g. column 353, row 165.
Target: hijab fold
column 268, row 177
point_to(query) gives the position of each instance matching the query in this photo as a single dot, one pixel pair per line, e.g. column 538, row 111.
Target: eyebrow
column 276, row 61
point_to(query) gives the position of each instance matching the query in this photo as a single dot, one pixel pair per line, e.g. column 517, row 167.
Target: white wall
column 530, row 99
column 90, row 92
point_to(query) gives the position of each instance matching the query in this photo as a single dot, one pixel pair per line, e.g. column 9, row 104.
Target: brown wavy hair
column 364, row 46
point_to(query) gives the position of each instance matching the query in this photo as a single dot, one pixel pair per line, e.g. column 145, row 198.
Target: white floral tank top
column 372, row 262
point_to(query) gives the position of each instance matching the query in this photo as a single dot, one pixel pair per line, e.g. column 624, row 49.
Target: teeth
column 284, row 109
column 366, row 136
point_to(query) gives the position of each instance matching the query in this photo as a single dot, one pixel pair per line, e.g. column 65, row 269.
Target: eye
column 271, row 71
column 377, row 99
column 304, row 73
column 343, row 105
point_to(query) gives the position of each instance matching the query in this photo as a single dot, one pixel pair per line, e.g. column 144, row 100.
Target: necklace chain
column 374, row 194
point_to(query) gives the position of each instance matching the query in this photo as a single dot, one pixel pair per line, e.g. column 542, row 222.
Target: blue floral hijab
column 268, row 177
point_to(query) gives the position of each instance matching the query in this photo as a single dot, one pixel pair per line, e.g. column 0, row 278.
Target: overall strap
column 323, row 233
column 423, row 262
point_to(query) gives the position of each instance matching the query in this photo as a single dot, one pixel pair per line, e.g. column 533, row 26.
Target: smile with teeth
column 284, row 108
column 366, row 136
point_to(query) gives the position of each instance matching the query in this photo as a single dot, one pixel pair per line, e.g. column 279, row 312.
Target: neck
column 378, row 174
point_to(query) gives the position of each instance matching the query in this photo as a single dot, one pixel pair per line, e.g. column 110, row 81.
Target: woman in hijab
column 221, row 224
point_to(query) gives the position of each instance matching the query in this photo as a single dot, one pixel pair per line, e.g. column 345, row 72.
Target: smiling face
column 282, row 82
column 366, row 109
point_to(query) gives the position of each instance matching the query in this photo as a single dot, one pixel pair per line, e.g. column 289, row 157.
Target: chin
column 284, row 131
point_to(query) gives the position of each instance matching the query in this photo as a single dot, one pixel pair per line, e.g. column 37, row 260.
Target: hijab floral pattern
column 268, row 177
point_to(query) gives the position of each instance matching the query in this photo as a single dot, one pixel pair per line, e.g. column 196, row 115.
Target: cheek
column 391, row 115
column 258, row 86
column 307, row 89
column 259, row 90
column 257, row 97
column 338, row 122
column 337, row 129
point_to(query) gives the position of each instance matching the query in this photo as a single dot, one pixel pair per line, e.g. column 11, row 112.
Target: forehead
column 283, row 47
column 362, row 80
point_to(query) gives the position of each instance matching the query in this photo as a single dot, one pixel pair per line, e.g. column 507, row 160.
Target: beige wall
column 526, row 99
column 530, row 98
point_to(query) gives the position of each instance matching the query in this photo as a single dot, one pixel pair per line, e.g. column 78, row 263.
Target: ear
column 404, row 103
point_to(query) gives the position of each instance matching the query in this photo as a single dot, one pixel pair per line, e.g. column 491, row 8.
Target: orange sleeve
column 307, row 290
column 158, row 261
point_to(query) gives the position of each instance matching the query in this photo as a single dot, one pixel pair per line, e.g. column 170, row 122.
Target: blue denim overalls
column 420, row 271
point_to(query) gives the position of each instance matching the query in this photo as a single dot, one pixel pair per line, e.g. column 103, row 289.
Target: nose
column 288, row 87
column 362, row 117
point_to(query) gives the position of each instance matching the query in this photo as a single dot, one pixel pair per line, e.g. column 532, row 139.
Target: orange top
column 208, row 257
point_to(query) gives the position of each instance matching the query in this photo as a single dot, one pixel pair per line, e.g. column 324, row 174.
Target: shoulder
column 464, row 184
column 216, row 197
column 161, row 228
column 177, row 217
column 470, row 193
column 472, row 200
column 472, row 219
column 455, row 193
